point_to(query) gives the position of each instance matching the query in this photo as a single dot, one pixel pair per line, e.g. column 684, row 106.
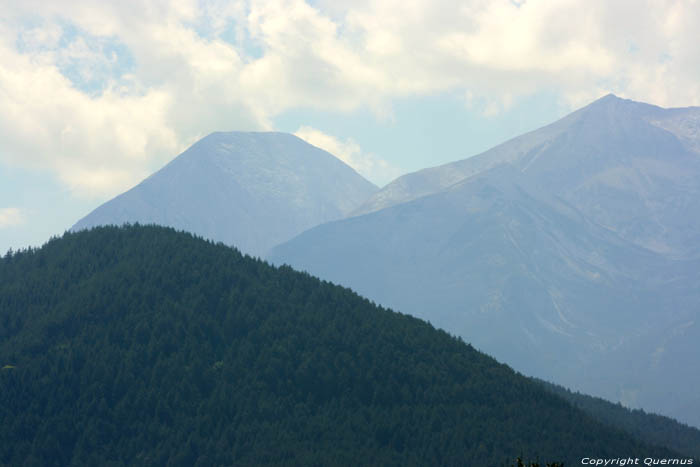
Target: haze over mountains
column 251, row 190
column 571, row 252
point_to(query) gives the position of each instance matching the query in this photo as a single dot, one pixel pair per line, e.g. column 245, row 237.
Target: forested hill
column 649, row 427
column 144, row 346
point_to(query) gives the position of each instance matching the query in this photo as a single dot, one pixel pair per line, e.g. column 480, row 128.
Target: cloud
column 578, row 50
column 103, row 93
column 10, row 217
column 368, row 165
column 45, row 122
column 173, row 87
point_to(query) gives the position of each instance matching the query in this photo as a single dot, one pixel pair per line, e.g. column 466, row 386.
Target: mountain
column 571, row 253
column 144, row 346
column 251, row 190
column 626, row 165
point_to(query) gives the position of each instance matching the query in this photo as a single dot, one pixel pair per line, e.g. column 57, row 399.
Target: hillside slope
column 144, row 346
column 651, row 428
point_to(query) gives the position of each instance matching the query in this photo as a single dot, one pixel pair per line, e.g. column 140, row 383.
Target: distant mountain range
column 571, row 252
column 251, row 190
column 145, row 346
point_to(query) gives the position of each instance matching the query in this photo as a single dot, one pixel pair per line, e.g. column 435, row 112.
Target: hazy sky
column 96, row 95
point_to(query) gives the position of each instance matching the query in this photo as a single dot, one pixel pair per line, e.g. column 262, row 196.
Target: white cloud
column 45, row 122
column 102, row 119
column 10, row 217
column 182, row 87
column 368, row 165
column 568, row 47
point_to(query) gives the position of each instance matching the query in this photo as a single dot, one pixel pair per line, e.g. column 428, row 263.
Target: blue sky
column 95, row 96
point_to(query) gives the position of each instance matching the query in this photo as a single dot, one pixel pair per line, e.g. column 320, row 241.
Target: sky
column 96, row 95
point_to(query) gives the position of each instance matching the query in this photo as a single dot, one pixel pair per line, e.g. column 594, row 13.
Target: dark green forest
column 649, row 427
column 145, row 346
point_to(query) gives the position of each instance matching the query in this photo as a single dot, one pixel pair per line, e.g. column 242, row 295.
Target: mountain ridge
column 525, row 150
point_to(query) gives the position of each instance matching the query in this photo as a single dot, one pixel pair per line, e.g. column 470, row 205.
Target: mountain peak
column 609, row 97
column 606, row 122
column 241, row 139
column 615, row 104
column 252, row 190
column 609, row 100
